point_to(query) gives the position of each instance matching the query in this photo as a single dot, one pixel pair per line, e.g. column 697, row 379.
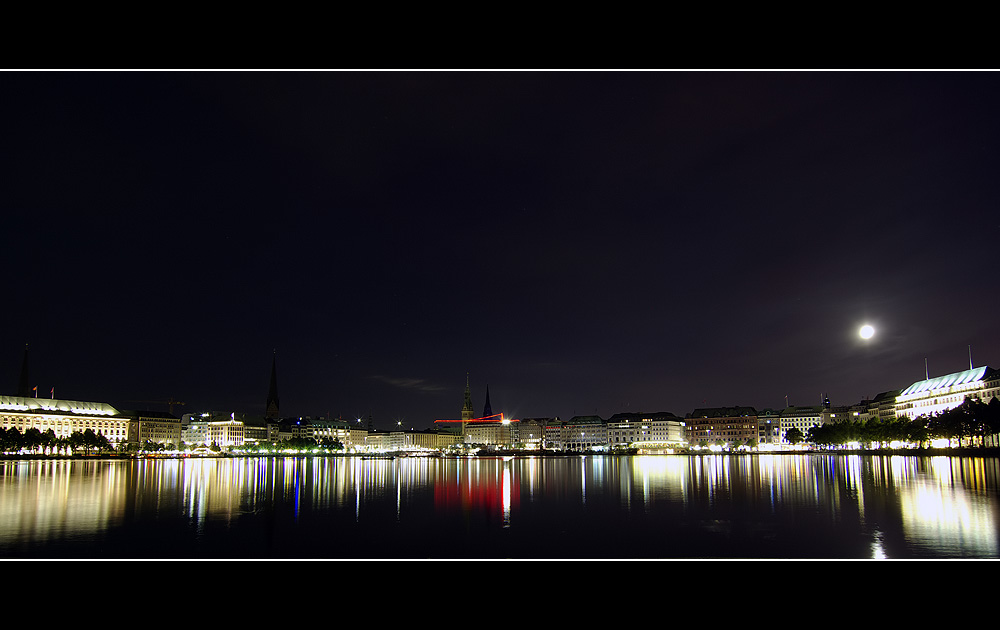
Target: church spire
column 467, row 411
column 272, row 394
column 487, row 410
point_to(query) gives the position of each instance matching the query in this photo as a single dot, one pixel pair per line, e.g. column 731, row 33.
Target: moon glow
column 866, row 332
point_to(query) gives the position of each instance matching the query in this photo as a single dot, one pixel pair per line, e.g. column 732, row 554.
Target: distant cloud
column 418, row 384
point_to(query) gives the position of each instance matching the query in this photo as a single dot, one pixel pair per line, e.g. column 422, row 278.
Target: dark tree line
column 38, row 442
column 973, row 423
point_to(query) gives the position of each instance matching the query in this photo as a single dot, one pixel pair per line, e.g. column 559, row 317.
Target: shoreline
column 962, row 452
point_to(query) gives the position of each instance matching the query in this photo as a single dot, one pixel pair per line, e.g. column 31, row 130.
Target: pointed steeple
column 467, row 411
column 24, row 387
column 487, row 410
column 272, row 394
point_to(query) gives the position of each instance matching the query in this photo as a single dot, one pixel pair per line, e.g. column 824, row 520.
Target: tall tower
column 487, row 410
column 272, row 395
column 467, row 412
column 24, row 386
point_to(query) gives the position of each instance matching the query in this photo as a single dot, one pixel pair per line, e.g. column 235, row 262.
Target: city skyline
column 273, row 411
column 583, row 242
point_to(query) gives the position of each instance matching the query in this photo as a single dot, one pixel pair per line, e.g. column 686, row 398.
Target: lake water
column 716, row 506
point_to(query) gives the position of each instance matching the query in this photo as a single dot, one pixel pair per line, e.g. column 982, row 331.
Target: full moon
column 866, row 332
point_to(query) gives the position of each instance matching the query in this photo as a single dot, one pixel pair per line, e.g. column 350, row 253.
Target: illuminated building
column 883, row 406
column 319, row 429
column 326, row 430
column 529, row 433
column 446, row 438
column 215, row 428
column 650, row 433
column 768, row 428
column 255, row 430
column 853, row 413
column 935, row 395
column 226, row 433
column 489, row 432
column 376, row 441
column 579, row 433
column 801, row 418
column 357, row 437
column 723, row 426
column 323, row 430
column 425, row 440
column 154, row 426
column 64, row 417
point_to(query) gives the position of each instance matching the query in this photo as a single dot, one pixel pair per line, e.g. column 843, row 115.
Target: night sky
column 580, row 242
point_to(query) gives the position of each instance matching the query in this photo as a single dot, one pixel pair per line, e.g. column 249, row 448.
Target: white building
column 205, row 430
column 934, row 395
column 64, row 417
column 650, row 433
column 801, row 418
column 529, row 433
column 580, row 433
column 488, row 433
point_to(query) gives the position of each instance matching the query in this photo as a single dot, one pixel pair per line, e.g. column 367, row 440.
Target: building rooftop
column 585, row 420
column 886, row 397
column 164, row 415
column 50, row 405
column 638, row 416
column 803, row 411
column 949, row 380
column 723, row 412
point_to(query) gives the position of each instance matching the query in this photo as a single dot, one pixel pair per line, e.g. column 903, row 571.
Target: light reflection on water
column 766, row 506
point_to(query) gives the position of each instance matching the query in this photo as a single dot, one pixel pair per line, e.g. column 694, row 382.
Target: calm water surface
column 753, row 506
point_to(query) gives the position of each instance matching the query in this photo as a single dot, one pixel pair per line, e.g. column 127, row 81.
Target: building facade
column 214, row 429
column 935, row 395
column 156, row 427
column 730, row 427
column 649, row 433
column 64, row 417
column 579, row 433
column 801, row 418
column 768, row 429
column 489, row 433
column 529, row 433
column 883, row 406
column 408, row 441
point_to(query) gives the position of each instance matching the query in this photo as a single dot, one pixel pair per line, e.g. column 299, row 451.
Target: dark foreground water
column 753, row 506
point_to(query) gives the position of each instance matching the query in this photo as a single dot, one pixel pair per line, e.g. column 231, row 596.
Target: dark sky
column 581, row 242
